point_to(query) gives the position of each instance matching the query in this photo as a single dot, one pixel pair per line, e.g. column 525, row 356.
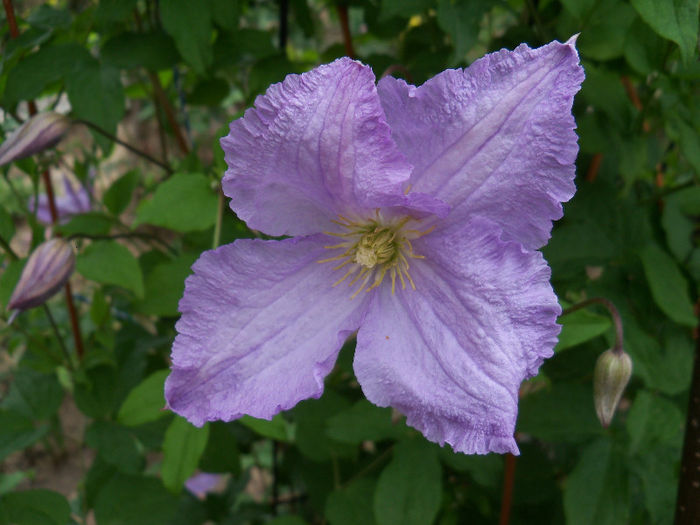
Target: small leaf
column 120, row 193
column 92, row 223
column 409, row 489
column 668, row 286
column 184, row 444
column 134, row 500
column 165, row 285
column 154, row 51
column 363, row 421
column 145, row 402
column 580, row 326
column 277, row 428
column 109, row 262
column 17, row 432
column 461, row 20
column 183, row 203
column 115, row 445
column 653, row 420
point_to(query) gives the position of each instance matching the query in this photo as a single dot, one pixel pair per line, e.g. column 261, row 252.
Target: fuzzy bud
column 46, row 271
column 612, row 373
column 40, row 132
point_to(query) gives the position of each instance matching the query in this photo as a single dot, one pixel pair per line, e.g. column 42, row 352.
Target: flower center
column 373, row 248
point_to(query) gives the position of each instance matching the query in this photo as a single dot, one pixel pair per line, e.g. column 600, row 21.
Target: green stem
column 6, row 246
column 219, row 216
column 66, row 354
column 128, row 146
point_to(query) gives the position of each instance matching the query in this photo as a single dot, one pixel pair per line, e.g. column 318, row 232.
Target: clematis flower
column 415, row 215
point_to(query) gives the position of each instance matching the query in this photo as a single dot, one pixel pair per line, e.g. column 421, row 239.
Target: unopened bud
column 46, row 271
column 40, row 132
column 612, row 373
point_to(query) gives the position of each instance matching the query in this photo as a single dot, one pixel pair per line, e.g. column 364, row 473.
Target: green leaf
column 165, row 284
column 311, row 417
column 221, row 454
column 403, row 8
column 154, row 51
column 486, row 470
column 606, row 30
column 115, row 445
column 409, row 489
column 678, row 224
column 95, row 93
column 189, row 24
column 183, row 203
column 184, row 444
column 36, row 507
column 7, row 226
column 668, row 286
column 48, row 65
column 17, row 432
column 596, row 490
column 109, row 262
column 8, row 279
column 120, row 193
column 34, row 394
column 563, row 413
column 91, row 223
column 581, row 326
column 111, row 11
column 134, row 500
column 658, row 470
column 277, row 428
column 226, row 13
column 348, row 505
column 96, row 394
column 364, row 421
column 287, row 520
column 676, row 20
column 461, row 20
column 145, row 402
column 653, row 420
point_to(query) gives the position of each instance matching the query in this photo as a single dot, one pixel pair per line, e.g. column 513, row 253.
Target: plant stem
column 614, row 313
column 508, row 481
column 169, row 112
column 345, row 27
column 219, row 217
column 128, row 146
column 688, row 501
column 6, row 246
column 61, row 343
column 10, row 14
column 275, row 477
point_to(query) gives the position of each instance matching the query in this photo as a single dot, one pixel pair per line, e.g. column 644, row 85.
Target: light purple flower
column 430, row 202
column 72, row 202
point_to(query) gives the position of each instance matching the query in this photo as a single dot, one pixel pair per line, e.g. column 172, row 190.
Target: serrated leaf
column 184, row 444
column 145, row 402
column 109, row 262
column 676, row 20
column 596, row 490
column 183, row 203
column 668, row 286
column 409, row 489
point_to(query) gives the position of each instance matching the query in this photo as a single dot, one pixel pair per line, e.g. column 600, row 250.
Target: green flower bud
column 46, row 271
column 612, row 373
column 40, row 132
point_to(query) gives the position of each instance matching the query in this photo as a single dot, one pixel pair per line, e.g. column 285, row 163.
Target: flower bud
column 40, row 132
column 612, row 373
column 46, row 271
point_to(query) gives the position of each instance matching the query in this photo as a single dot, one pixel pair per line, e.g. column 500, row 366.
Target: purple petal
column 261, row 327
column 451, row 355
column 314, row 146
column 496, row 139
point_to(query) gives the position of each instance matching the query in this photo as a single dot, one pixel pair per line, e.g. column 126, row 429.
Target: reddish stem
column 508, row 482
column 345, row 27
column 593, row 167
column 14, row 32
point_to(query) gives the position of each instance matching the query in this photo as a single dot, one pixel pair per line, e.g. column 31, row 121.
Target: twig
column 66, row 354
column 688, row 501
column 6, row 246
column 128, row 146
column 169, row 112
column 345, row 28
column 593, row 167
column 219, row 217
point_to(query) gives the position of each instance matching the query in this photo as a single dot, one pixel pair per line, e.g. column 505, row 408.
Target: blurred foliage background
column 83, row 437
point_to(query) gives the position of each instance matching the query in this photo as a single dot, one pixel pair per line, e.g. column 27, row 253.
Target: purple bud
column 612, row 373
column 40, row 132
column 46, row 271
